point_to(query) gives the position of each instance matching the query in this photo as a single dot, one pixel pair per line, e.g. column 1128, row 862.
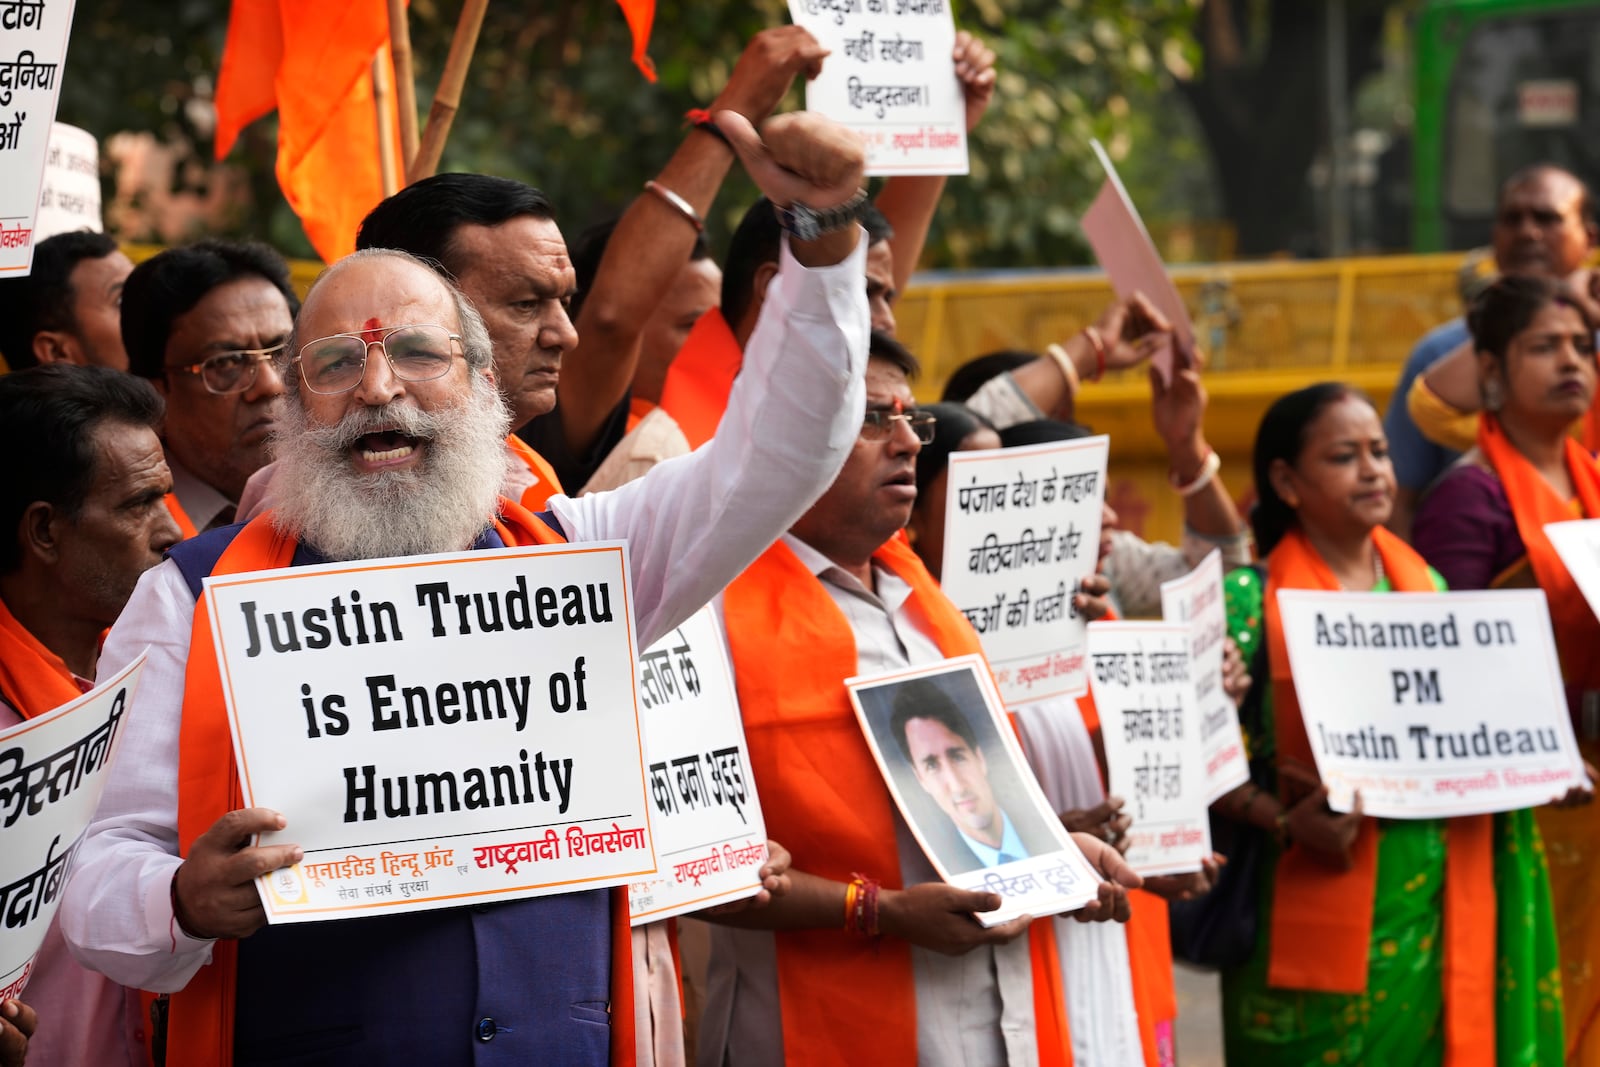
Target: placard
column 438, row 730
column 1129, row 257
column 1578, row 544
column 1195, row 600
column 890, row 77
column 53, row 768
column 958, row 776
column 1432, row 704
column 1144, row 690
column 703, row 809
column 33, row 51
column 70, row 198
column 1022, row 530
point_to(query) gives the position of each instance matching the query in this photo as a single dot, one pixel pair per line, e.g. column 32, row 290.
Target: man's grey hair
column 475, row 343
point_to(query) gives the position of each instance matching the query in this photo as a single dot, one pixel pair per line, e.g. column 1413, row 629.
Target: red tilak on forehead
column 370, row 330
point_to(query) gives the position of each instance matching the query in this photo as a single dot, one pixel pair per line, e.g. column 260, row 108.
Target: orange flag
column 641, row 14
column 312, row 61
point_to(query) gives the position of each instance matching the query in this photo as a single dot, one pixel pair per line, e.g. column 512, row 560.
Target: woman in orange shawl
column 1482, row 526
column 1381, row 941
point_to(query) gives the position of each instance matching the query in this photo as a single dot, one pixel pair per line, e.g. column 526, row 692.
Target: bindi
column 370, row 330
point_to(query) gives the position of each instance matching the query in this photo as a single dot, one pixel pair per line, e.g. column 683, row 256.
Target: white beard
column 442, row 505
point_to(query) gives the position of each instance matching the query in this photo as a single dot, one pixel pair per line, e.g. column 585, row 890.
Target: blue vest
column 526, row 982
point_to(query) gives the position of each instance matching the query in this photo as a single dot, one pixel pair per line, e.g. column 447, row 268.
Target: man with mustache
column 393, row 444
column 809, row 979
column 205, row 324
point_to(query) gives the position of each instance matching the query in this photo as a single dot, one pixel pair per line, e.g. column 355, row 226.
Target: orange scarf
column 200, row 1026
column 845, row 998
column 545, row 483
column 696, row 391
column 1321, row 918
column 33, row 680
column 185, row 524
column 1535, row 502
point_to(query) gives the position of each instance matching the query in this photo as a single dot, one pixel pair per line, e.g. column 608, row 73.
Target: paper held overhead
column 1129, row 257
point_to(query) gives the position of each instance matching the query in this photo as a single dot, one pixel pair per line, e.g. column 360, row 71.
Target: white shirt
column 973, row 1010
column 692, row 525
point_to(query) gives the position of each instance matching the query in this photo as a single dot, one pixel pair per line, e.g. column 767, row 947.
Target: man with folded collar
column 910, row 976
column 204, row 324
column 393, row 444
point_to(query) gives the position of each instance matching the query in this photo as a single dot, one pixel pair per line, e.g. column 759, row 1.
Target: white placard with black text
column 1022, row 530
column 438, row 730
column 33, row 55
column 53, row 768
column 1143, row 686
column 703, row 808
column 1431, row 704
column 1195, row 601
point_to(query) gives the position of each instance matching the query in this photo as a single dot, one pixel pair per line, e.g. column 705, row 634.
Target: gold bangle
column 1069, row 369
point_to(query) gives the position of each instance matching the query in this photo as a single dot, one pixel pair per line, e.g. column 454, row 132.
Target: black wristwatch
column 807, row 223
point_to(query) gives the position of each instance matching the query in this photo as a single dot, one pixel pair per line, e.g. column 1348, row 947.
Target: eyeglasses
column 232, row 372
column 415, row 353
column 879, row 425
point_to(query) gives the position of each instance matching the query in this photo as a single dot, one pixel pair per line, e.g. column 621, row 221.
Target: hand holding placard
column 214, row 890
column 938, row 916
column 766, row 68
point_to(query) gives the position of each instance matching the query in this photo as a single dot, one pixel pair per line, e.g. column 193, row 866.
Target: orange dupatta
column 1534, row 502
column 1321, row 924
column 696, row 391
column 825, row 800
column 545, row 483
column 185, row 524
column 200, row 1023
column 33, row 680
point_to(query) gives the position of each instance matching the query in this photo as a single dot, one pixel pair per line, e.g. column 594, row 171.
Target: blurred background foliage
column 553, row 99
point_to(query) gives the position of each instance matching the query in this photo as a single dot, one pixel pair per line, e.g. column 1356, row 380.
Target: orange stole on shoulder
column 545, row 483
column 1321, row 927
column 200, row 1023
column 33, row 679
column 696, row 391
column 845, row 998
column 1534, row 502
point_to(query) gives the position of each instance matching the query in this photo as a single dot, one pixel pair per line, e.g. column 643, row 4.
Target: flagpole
column 405, row 80
column 380, row 100
column 448, row 97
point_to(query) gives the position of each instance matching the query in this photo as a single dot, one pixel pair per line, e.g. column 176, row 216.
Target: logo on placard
column 288, row 886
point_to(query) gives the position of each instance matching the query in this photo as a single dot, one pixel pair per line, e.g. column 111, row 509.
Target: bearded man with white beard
column 392, row 444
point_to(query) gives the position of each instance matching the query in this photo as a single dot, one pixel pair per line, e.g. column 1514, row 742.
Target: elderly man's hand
column 213, row 892
column 939, row 916
column 17, row 1023
column 767, row 68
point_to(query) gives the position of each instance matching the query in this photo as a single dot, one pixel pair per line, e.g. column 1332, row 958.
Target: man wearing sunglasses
column 392, row 442
column 205, row 323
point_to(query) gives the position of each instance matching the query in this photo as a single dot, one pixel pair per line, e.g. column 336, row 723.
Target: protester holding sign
column 1377, row 940
column 1121, row 1001
column 84, row 520
column 839, row 596
column 400, row 450
column 1483, row 526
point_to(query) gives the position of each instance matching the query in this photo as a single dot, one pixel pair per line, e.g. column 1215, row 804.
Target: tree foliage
column 554, row 100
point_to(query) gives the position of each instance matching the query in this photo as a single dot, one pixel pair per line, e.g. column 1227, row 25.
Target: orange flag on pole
column 641, row 15
column 312, row 61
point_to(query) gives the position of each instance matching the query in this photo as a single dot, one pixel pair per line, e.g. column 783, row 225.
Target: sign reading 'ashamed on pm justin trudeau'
column 438, row 730
column 1432, row 704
